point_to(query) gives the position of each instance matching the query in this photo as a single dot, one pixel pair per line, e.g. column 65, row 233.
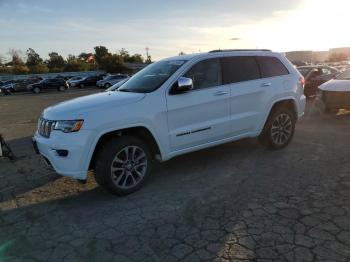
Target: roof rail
column 239, row 50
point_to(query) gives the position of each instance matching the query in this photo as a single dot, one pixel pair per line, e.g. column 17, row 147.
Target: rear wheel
column 36, row 90
column 81, row 86
column 123, row 165
column 279, row 129
column 108, row 85
column 61, row 88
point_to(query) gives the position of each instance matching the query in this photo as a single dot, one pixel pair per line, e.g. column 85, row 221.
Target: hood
column 76, row 108
column 336, row 85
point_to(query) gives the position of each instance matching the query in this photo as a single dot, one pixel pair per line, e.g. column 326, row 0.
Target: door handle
column 266, row 84
column 221, row 93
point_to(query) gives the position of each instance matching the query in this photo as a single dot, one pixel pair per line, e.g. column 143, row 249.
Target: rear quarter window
column 271, row 67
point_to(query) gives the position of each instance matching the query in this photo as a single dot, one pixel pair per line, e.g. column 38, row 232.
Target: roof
column 215, row 52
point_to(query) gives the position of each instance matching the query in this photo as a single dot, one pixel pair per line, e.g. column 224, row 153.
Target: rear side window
column 271, row 66
column 239, row 69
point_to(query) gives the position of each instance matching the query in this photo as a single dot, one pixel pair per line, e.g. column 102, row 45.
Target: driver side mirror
column 184, row 84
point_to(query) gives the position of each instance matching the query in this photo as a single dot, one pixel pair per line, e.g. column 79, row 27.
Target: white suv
column 172, row 107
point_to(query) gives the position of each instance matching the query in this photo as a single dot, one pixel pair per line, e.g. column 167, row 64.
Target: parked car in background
column 53, row 83
column 316, row 76
column 86, row 81
column 74, row 80
column 117, row 85
column 172, row 107
column 335, row 94
column 110, row 80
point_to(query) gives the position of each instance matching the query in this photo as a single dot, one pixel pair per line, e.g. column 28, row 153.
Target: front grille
column 45, row 127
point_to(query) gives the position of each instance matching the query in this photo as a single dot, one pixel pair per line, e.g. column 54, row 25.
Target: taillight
column 302, row 81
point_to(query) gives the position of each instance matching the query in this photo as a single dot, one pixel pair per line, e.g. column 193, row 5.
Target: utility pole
column 147, row 49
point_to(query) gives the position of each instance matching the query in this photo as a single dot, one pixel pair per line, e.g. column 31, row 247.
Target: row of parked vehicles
column 38, row 84
column 328, row 85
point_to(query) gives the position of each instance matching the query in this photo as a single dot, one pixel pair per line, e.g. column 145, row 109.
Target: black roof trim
column 239, row 50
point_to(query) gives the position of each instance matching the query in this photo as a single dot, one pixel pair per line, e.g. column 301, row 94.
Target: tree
column 71, row 58
column 338, row 57
column 113, row 64
column 55, row 62
column 33, row 58
column 35, row 63
column 76, row 65
column 100, row 53
column 20, row 69
column 136, row 58
column 39, row 69
column 2, row 60
column 148, row 60
column 16, row 57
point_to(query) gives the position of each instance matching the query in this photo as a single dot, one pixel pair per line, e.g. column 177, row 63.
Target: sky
column 168, row 27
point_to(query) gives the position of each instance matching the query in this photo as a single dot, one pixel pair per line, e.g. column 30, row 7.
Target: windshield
column 344, row 76
column 152, row 77
column 117, row 85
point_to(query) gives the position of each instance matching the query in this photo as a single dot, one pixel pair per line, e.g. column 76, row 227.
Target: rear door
column 242, row 75
column 202, row 115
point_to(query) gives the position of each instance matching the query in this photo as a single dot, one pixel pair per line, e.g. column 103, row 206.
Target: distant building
column 316, row 56
column 340, row 50
column 320, row 56
column 299, row 56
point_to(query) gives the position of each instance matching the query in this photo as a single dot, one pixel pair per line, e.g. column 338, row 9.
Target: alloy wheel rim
column 129, row 167
column 281, row 129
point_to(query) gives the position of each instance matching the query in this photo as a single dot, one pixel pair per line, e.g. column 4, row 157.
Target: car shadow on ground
column 236, row 201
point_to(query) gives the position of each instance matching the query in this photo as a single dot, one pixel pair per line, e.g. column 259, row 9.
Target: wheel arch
column 142, row 132
column 284, row 102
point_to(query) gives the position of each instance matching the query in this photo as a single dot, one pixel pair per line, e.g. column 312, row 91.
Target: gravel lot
column 236, row 202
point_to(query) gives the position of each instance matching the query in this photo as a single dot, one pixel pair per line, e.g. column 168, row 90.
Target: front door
column 202, row 115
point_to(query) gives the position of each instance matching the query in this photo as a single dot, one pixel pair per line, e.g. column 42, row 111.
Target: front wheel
column 279, row 129
column 108, row 85
column 123, row 165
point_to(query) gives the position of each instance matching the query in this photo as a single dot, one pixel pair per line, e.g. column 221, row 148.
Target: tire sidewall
column 266, row 137
column 106, row 156
column 36, row 90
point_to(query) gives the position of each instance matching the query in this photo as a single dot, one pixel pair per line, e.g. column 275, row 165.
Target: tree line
column 101, row 59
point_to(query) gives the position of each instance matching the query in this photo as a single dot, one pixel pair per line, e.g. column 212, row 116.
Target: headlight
column 68, row 126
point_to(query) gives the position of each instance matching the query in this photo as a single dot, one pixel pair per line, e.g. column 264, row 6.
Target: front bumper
column 76, row 163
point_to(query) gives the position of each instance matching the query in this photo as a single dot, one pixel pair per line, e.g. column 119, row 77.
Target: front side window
column 152, row 77
column 239, row 68
column 205, row 74
column 271, row 67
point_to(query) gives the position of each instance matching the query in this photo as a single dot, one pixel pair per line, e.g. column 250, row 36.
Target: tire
column 36, row 90
column 81, row 86
column 279, row 129
column 61, row 88
column 130, row 173
column 108, row 85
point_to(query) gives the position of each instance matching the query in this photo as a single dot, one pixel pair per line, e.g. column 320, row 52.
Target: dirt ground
column 236, row 202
